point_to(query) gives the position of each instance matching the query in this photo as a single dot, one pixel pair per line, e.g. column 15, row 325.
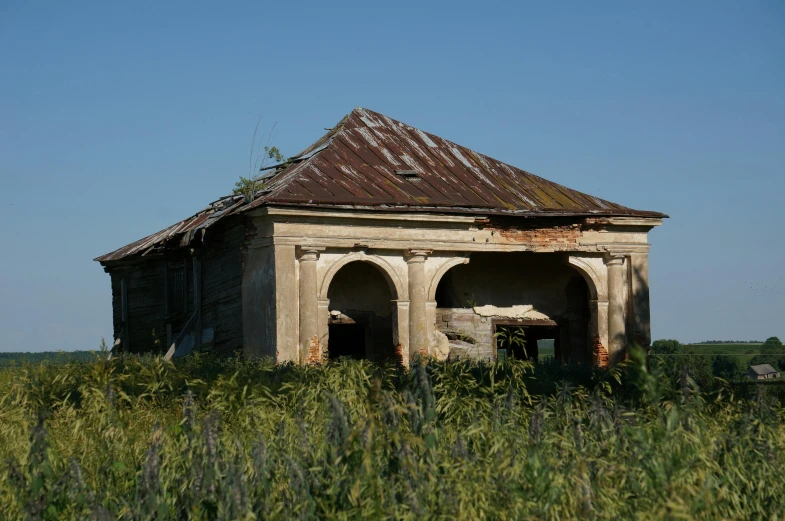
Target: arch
column 444, row 268
column 591, row 268
column 361, row 318
column 397, row 288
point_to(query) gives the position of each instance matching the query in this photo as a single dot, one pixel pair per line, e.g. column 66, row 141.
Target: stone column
column 617, row 335
column 309, row 307
column 418, row 316
column 287, row 298
column 598, row 331
column 401, row 329
column 324, row 327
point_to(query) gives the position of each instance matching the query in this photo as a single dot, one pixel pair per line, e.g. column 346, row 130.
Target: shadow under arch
column 360, row 311
column 522, row 292
column 397, row 288
column 590, row 269
column 437, row 277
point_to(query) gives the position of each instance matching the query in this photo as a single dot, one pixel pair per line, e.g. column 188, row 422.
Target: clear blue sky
column 118, row 120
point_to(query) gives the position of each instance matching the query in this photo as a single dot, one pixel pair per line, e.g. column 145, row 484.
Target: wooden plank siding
column 117, row 305
column 146, row 313
column 221, row 293
column 222, row 276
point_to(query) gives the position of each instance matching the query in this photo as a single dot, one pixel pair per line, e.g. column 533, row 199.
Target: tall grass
column 141, row 438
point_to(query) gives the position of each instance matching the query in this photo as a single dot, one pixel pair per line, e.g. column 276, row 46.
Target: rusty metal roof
column 369, row 161
column 179, row 234
column 375, row 162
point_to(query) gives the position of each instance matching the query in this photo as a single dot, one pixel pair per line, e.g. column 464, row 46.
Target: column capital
column 614, row 259
column 309, row 253
column 414, row 256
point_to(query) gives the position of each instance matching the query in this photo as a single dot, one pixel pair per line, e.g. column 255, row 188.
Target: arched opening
column 360, row 324
column 521, row 304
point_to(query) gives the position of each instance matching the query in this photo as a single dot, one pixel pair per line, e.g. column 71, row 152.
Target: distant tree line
column 703, row 368
column 11, row 359
column 729, row 342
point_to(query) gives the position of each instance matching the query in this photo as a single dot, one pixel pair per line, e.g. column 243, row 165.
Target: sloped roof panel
column 356, row 163
column 763, row 369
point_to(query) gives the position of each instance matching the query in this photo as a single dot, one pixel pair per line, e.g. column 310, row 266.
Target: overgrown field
column 212, row 438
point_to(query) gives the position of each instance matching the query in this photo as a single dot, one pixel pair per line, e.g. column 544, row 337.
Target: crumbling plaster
column 271, row 284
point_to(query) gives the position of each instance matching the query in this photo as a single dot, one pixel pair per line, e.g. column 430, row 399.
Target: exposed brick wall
column 399, row 353
column 314, row 352
column 552, row 232
column 600, row 353
column 550, row 236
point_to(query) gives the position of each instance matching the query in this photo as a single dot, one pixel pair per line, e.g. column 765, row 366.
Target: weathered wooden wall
column 222, row 276
column 146, row 313
column 117, row 310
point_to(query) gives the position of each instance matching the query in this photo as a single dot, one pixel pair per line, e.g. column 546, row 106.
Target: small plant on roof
column 260, row 158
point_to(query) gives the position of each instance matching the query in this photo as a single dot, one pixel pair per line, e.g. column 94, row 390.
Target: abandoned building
column 382, row 241
column 762, row 372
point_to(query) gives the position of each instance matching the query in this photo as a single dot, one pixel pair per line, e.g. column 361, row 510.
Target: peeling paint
column 428, row 141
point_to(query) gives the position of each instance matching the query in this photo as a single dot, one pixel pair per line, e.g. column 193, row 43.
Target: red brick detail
column 399, row 354
column 314, row 352
column 554, row 236
column 600, row 353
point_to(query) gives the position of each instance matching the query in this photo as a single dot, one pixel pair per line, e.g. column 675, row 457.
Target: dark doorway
column 360, row 324
column 347, row 340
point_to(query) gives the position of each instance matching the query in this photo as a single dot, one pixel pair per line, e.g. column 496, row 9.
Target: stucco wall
column 387, row 240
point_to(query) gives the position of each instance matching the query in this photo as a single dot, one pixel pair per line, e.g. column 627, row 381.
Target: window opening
column 526, row 342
